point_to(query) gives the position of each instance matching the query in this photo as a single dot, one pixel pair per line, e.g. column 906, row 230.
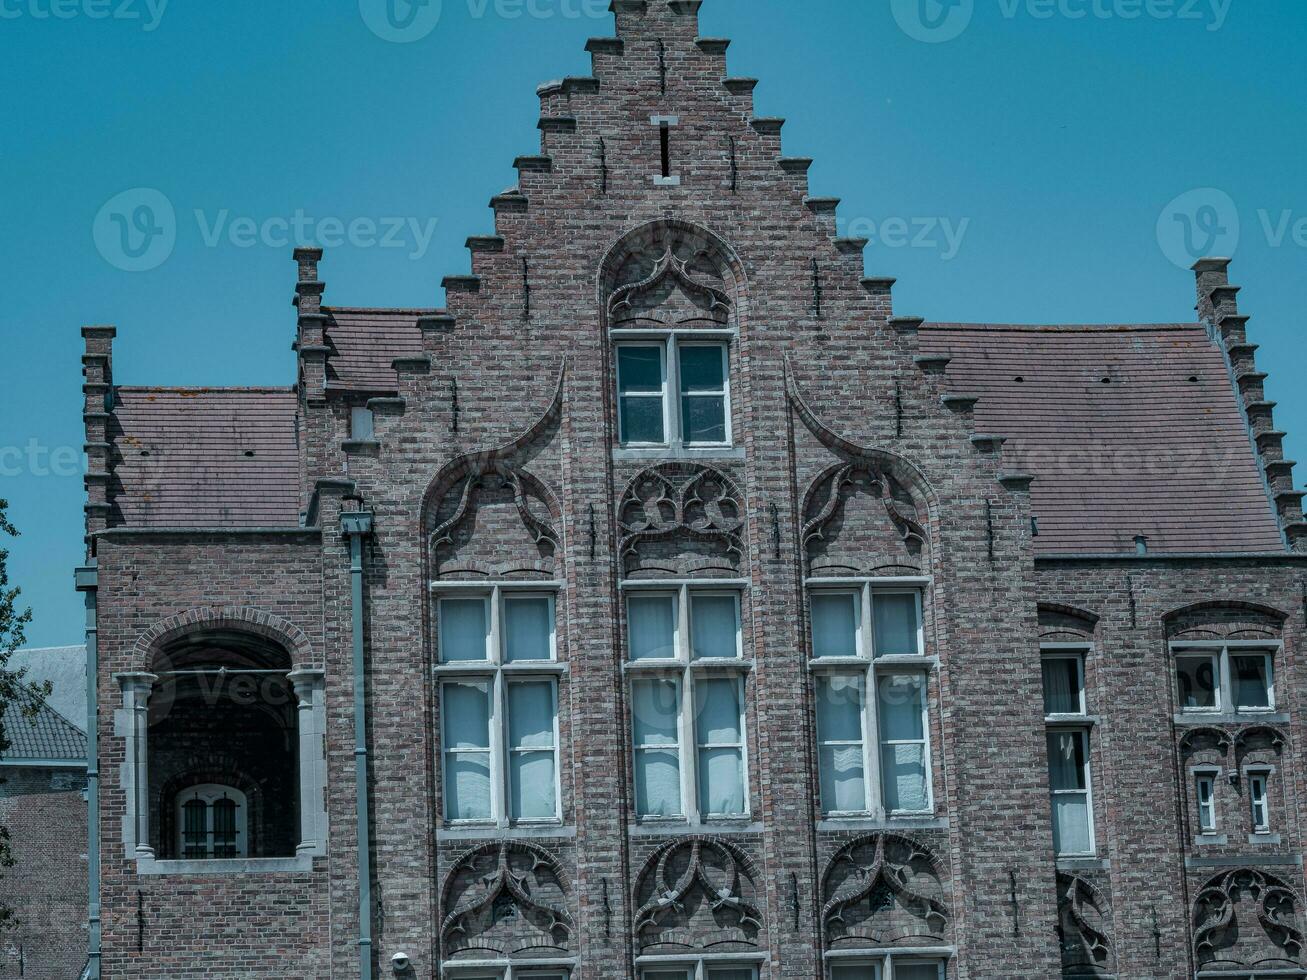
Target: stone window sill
column 235, row 866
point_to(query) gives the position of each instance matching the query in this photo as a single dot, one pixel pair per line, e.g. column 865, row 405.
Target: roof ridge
column 211, row 389
column 1061, row 327
column 416, row 310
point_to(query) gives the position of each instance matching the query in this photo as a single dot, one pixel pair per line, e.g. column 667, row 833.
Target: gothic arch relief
column 697, row 893
column 866, row 513
column 670, row 274
column 679, row 518
column 883, row 890
column 1083, row 919
column 488, row 515
column 507, row 898
column 1247, row 919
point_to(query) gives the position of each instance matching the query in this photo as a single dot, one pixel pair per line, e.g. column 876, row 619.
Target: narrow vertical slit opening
column 665, row 135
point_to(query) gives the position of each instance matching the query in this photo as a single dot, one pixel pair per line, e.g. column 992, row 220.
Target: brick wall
column 46, row 815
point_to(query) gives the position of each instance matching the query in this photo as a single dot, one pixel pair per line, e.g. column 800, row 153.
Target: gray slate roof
column 52, row 735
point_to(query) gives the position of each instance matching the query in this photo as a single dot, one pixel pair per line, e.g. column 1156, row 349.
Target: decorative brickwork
column 858, row 455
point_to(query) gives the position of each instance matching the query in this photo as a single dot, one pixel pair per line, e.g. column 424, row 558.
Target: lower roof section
column 204, row 457
column 1129, row 430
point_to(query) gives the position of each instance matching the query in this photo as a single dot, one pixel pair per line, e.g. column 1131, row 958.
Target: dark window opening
column 223, row 750
column 665, row 132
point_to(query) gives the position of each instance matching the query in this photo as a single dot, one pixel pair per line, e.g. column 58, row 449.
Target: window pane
column 467, row 785
column 655, row 706
column 714, row 626
column 859, row 971
column 1071, row 823
column 839, row 708
column 640, row 369
column 902, row 698
column 464, row 627
column 718, row 704
column 703, row 418
column 642, row 420
column 721, row 782
column 657, row 783
column 534, row 785
column 1252, row 685
column 730, row 973
column 1197, row 682
column 903, row 771
column 895, row 616
column 843, row 779
column 467, row 716
column 664, row 975
column 528, row 628
column 531, row 715
column 1061, row 686
column 834, row 624
column 702, row 368
column 916, row 971
column 1066, row 761
column 652, row 622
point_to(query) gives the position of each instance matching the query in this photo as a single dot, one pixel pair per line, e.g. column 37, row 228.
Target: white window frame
column 1259, row 775
column 663, row 400
column 671, row 342
column 687, row 673
column 695, row 968
column 885, row 962
column 1210, row 776
column 1077, row 654
column 499, row 674
column 1222, row 651
column 872, row 668
column 1083, row 732
column 209, row 793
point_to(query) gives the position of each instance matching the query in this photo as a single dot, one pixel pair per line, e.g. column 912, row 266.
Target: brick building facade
column 670, row 606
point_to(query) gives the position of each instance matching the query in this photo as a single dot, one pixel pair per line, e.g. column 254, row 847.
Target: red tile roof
column 364, row 342
column 1128, row 430
column 205, row 457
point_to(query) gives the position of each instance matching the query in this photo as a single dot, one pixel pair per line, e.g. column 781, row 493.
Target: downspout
column 86, row 580
column 355, row 526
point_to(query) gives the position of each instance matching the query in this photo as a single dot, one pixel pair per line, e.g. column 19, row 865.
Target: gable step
column 461, row 284
column 907, row 324
column 436, row 321
column 932, row 362
column 580, row 84
column 1016, row 480
column 878, row 284
column 485, row 243
column 959, row 401
column 557, row 124
column 605, row 45
column 796, row 165
column 740, row 86
column 822, row 205
column 511, row 202
column 988, row 443
column 852, row 246
column 713, row 45
column 767, row 125
column 534, row 164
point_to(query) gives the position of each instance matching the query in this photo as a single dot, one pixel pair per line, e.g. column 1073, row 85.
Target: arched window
column 212, row 823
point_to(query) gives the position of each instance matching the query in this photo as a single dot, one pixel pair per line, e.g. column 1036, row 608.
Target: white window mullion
column 866, row 631
column 687, row 729
column 871, row 721
column 672, row 396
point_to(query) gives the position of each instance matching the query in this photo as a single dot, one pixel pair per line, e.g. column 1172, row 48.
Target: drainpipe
column 86, row 580
column 356, row 525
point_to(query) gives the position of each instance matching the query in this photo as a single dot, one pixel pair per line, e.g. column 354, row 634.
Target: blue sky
column 1016, row 165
